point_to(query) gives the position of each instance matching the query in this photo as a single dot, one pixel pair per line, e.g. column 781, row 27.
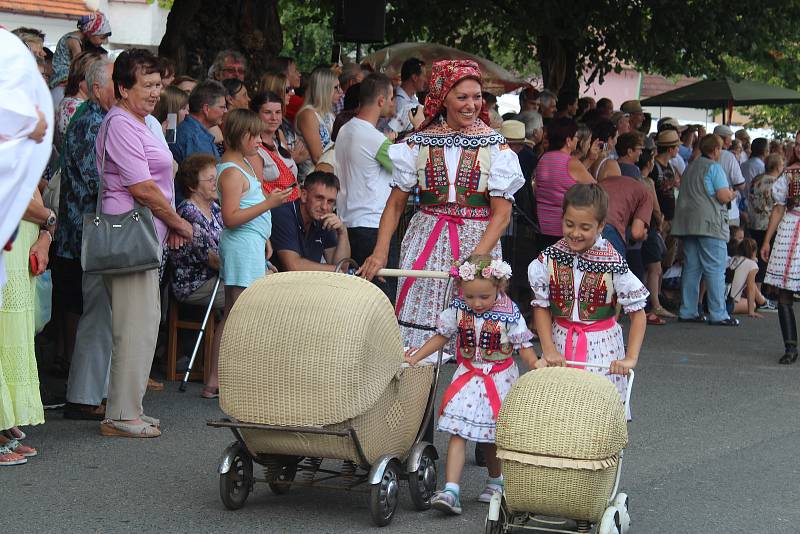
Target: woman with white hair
column 314, row 121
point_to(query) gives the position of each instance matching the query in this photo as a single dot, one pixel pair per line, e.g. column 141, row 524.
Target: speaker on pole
column 359, row 21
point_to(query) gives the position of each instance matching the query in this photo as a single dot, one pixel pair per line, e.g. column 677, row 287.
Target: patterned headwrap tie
column 95, row 23
column 444, row 76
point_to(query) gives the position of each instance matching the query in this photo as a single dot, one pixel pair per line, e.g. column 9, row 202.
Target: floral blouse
column 760, row 202
column 190, row 268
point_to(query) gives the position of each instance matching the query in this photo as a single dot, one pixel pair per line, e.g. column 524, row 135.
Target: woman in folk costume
column 467, row 177
column 783, row 269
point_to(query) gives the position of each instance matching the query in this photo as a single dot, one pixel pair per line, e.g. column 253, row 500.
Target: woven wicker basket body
column 320, row 350
column 559, row 434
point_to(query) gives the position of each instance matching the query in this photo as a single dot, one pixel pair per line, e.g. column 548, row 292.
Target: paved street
column 714, row 445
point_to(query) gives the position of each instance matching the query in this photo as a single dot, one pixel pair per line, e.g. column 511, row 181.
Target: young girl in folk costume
column 783, row 269
column 577, row 283
column 467, row 176
column 488, row 327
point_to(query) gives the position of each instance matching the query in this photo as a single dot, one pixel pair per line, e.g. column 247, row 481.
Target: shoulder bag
column 118, row 244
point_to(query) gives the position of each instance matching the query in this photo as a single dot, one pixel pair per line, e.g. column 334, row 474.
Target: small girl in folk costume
column 783, row 267
column 488, row 328
column 577, row 284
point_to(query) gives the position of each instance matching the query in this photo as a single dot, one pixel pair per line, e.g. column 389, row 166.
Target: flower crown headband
column 483, row 269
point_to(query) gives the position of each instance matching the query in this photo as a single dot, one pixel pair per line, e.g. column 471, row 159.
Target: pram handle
column 413, row 273
column 631, row 374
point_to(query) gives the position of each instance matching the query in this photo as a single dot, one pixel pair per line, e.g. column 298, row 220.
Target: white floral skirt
column 602, row 348
column 426, row 298
column 469, row 413
column 783, row 269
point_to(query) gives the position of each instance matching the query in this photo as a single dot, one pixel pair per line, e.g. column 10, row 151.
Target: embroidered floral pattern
column 503, row 310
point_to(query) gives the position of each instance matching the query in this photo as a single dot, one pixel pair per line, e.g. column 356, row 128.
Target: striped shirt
column 552, row 181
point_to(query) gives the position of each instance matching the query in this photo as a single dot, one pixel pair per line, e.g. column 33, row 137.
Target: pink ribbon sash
column 488, row 383
column 580, row 349
column 453, row 223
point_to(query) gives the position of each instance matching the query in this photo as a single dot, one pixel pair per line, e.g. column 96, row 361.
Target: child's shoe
column 446, row 501
column 493, row 486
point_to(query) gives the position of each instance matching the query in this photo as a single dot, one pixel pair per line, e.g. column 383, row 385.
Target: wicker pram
column 311, row 369
column 560, row 436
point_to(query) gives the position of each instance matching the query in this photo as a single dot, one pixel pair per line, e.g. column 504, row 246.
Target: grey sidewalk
column 713, row 449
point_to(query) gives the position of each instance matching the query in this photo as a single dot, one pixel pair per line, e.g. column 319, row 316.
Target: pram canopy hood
column 563, row 412
column 307, row 349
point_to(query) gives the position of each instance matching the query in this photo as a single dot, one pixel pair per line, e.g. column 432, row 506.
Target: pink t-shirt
column 134, row 155
column 552, row 181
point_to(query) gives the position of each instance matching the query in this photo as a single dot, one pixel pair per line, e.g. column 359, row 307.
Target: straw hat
column 668, row 138
column 631, row 106
column 513, row 131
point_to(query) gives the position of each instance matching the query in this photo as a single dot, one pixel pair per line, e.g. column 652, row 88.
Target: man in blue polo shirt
column 206, row 109
column 306, row 231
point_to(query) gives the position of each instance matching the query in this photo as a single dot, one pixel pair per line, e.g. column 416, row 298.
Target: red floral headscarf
column 95, row 23
column 444, row 76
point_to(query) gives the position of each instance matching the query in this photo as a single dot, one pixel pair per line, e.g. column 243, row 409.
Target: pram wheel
column 422, row 482
column 280, row 474
column 610, row 522
column 621, row 502
column 384, row 495
column 235, row 484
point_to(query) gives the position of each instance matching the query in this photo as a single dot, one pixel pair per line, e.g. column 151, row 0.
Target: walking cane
column 182, row 387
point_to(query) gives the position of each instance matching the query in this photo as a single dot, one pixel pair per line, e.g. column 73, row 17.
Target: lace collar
column 601, row 258
column 474, row 136
column 504, row 309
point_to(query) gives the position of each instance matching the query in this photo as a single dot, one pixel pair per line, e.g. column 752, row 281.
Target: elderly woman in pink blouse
column 138, row 166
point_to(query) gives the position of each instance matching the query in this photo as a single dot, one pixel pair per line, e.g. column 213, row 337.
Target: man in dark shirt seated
column 306, row 231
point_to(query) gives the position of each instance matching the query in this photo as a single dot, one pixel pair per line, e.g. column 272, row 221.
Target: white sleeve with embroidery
column 631, row 294
column 539, row 280
column 519, row 335
column 404, row 163
column 447, row 323
column 505, row 176
column 780, row 190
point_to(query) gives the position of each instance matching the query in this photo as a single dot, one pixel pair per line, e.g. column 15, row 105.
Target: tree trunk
column 198, row 29
column 558, row 60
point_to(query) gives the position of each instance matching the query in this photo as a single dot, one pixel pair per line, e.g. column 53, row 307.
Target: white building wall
column 53, row 28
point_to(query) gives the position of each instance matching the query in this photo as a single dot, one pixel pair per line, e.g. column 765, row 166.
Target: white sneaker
column 446, row 501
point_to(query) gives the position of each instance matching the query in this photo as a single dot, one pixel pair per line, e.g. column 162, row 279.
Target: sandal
column 653, row 319
column 152, row 421
column 661, row 311
column 15, row 433
column 154, row 385
column 9, row 457
column 121, row 429
column 210, row 393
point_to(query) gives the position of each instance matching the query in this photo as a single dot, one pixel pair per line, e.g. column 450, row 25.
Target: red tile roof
column 67, row 9
column 655, row 85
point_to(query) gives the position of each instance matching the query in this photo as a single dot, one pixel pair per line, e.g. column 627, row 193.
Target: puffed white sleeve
column 631, row 293
column 780, row 190
column 505, row 175
column 519, row 334
column 404, row 165
column 447, row 322
column 539, row 280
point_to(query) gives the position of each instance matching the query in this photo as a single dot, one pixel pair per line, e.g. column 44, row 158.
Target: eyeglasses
column 213, row 179
column 290, row 90
column 237, row 70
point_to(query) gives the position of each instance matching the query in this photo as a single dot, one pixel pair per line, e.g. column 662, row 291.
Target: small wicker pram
column 311, row 369
column 560, row 436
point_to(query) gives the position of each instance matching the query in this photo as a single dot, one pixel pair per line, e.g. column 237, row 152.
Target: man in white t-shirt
column 732, row 169
column 365, row 173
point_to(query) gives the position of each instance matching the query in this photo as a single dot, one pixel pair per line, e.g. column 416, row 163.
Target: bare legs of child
column 448, row 500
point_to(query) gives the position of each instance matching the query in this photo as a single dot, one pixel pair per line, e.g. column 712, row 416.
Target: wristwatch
column 51, row 219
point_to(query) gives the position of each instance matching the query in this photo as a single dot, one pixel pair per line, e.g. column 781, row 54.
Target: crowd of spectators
column 292, row 172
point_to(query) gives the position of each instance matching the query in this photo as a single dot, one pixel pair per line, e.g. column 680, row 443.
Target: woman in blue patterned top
column 196, row 264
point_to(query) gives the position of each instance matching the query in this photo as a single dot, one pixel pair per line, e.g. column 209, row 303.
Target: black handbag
column 119, row 244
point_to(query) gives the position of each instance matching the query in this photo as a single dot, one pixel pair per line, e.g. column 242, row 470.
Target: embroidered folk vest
column 596, row 298
column 472, row 176
column 793, row 192
column 492, row 342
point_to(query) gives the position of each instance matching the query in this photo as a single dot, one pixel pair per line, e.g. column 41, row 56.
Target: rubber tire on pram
column 384, row 496
column 422, row 482
column 235, row 485
column 610, row 522
column 286, row 474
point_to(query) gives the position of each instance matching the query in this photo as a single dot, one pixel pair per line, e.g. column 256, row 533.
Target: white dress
column 783, row 269
column 469, row 413
column 417, row 312
column 604, row 346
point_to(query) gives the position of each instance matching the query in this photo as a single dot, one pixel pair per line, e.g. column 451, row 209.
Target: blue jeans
column 704, row 256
